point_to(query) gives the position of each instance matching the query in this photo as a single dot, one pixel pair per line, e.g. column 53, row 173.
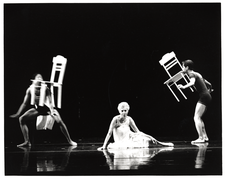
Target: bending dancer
column 35, row 111
column 123, row 136
column 204, row 88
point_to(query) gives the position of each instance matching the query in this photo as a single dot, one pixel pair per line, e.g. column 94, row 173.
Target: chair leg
column 186, row 81
column 42, row 94
column 52, row 94
column 32, row 95
column 59, row 100
column 173, row 93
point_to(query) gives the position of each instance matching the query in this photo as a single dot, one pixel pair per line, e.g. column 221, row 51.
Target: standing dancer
column 35, row 111
column 123, row 136
column 204, row 88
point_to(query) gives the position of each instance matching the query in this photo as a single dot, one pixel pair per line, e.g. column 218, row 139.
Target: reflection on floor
column 60, row 159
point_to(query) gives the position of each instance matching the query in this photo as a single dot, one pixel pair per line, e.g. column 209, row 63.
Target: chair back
column 168, row 61
column 173, row 68
column 58, row 69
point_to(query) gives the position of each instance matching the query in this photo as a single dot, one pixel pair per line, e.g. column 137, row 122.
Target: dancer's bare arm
column 109, row 134
column 134, row 127
column 23, row 105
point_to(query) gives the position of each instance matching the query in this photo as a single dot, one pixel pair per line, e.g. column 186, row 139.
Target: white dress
column 125, row 138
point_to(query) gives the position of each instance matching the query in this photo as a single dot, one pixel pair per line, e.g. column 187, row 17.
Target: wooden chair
column 170, row 62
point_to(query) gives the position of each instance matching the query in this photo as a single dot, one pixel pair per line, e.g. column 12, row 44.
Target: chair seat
column 175, row 78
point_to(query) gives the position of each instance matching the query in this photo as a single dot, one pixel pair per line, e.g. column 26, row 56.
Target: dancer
column 123, row 136
column 35, row 111
column 204, row 88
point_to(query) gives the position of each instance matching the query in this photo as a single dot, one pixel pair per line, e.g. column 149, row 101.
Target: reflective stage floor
column 61, row 159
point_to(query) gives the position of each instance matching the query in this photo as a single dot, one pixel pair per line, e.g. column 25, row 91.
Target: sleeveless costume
column 204, row 95
column 125, row 138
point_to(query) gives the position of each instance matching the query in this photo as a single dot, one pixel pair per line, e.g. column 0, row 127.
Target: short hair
column 35, row 74
column 188, row 63
column 123, row 105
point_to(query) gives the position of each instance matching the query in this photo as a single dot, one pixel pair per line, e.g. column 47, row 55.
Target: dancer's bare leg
column 148, row 136
column 155, row 141
column 199, row 111
column 30, row 114
column 66, row 133
column 204, row 132
column 63, row 128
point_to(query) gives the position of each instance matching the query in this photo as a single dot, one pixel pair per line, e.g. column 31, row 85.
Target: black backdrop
column 113, row 53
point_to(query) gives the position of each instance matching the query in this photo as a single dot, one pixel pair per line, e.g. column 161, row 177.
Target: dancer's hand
column 153, row 140
column 101, row 148
column 180, row 86
column 53, row 112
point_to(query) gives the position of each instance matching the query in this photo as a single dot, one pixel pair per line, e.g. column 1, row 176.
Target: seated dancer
column 36, row 111
column 123, row 136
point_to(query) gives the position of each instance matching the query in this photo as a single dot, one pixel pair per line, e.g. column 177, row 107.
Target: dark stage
column 85, row 159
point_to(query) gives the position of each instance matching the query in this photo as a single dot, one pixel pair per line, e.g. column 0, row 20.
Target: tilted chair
column 174, row 69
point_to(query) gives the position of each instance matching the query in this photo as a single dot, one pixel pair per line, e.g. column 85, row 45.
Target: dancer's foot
column 170, row 144
column 206, row 138
column 73, row 143
column 199, row 140
column 201, row 145
column 25, row 144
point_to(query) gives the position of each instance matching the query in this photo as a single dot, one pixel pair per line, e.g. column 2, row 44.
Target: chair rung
column 170, row 65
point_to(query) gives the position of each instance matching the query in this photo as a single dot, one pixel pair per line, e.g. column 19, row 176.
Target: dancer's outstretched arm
column 109, row 134
column 23, row 105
